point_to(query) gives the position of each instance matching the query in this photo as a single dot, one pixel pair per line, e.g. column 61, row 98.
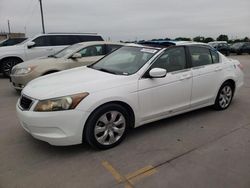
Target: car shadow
column 142, row 131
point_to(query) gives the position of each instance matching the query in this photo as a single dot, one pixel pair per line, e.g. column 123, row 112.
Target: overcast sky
column 130, row 19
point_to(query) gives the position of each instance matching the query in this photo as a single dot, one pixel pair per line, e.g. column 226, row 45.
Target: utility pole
column 9, row 26
column 41, row 7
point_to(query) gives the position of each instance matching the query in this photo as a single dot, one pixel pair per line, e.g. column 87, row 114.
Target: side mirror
column 76, row 56
column 31, row 44
column 157, row 73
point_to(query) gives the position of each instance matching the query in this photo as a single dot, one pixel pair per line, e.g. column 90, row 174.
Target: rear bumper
column 57, row 128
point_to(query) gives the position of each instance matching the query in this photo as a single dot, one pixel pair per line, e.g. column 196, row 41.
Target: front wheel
column 8, row 64
column 224, row 96
column 106, row 126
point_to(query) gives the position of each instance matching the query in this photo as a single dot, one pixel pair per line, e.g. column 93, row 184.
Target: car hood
column 38, row 61
column 74, row 81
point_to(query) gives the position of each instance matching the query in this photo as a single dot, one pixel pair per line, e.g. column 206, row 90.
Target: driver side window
column 174, row 59
column 42, row 41
column 92, row 51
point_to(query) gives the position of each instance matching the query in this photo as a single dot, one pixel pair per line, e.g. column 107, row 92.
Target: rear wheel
column 107, row 126
column 8, row 64
column 224, row 96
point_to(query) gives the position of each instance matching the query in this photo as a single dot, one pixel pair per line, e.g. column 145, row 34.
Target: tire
column 224, row 96
column 110, row 133
column 8, row 64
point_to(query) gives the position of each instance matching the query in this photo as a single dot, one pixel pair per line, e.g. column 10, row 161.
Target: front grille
column 25, row 102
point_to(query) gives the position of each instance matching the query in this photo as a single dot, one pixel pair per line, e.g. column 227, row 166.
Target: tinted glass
column 200, row 56
column 173, row 59
column 61, row 40
column 85, row 38
column 215, row 56
column 92, row 51
column 111, row 47
column 42, row 41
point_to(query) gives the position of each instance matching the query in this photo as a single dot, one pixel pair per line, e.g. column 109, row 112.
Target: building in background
column 4, row 35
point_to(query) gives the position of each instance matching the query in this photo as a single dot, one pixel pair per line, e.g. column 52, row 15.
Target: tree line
column 221, row 37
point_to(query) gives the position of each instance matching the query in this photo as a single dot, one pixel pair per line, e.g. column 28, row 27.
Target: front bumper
column 20, row 81
column 57, row 128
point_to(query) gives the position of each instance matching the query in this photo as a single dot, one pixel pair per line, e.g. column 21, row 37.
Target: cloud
column 130, row 19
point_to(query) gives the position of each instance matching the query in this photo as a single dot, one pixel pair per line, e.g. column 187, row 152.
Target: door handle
column 186, row 76
column 49, row 49
column 218, row 68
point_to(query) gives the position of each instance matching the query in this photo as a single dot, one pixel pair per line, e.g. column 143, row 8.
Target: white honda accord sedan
column 130, row 87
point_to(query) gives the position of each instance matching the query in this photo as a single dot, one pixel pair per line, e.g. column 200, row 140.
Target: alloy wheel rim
column 8, row 66
column 225, row 96
column 109, row 128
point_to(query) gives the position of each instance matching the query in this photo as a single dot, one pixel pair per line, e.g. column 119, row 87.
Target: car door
column 41, row 48
column 159, row 97
column 207, row 75
column 89, row 55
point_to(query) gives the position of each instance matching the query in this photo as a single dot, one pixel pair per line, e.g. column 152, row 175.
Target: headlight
column 21, row 71
column 61, row 103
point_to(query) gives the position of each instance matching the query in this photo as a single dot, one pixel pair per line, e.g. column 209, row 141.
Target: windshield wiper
column 106, row 70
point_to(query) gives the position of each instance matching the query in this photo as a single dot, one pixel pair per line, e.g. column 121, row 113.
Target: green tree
column 182, row 39
column 246, row 39
column 222, row 38
column 208, row 39
column 199, row 39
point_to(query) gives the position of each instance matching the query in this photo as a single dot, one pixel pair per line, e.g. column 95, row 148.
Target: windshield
column 67, row 51
column 126, row 60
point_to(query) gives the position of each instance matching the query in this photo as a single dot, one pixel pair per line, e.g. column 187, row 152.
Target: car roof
column 218, row 42
column 174, row 43
column 99, row 42
column 62, row 33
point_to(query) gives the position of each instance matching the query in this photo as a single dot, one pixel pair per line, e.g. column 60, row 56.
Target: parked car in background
column 162, row 43
column 130, row 87
column 222, row 46
column 240, row 48
column 11, row 41
column 39, row 46
column 77, row 55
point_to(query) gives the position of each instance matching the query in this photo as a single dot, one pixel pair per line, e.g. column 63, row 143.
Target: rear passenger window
column 200, row 56
column 173, row 59
column 63, row 40
column 86, row 38
column 215, row 56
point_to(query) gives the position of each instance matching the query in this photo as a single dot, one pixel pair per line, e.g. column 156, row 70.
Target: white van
column 39, row 46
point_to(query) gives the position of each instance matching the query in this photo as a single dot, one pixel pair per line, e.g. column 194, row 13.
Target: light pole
column 41, row 7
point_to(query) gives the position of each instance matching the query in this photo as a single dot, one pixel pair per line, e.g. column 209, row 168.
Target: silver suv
column 39, row 46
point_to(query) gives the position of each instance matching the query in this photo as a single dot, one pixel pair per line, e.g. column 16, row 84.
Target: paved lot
column 204, row 148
